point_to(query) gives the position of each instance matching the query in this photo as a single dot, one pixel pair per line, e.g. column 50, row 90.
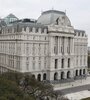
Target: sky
column 78, row 11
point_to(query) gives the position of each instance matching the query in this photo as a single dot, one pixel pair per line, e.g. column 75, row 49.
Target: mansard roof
column 11, row 16
column 76, row 30
column 2, row 23
column 51, row 16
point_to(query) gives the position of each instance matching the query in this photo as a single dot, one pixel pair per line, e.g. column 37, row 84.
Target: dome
column 53, row 17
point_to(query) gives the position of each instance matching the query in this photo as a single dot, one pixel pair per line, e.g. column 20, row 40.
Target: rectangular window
column 62, row 45
column 68, row 62
column 45, row 65
column 39, row 65
column 56, row 63
column 30, row 29
column 62, row 63
column 61, row 49
column 36, row 30
column 27, row 65
column 56, row 45
column 68, row 48
column 24, row 28
column 33, row 65
column 33, row 58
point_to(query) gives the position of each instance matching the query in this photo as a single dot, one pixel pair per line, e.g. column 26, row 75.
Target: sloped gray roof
column 50, row 16
column 2, row 22
column 11, row 16
column 76, row 30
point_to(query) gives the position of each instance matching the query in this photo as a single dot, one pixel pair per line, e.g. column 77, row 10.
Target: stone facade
column 50, row 49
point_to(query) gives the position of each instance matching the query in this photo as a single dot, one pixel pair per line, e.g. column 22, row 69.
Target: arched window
column 68, row 74
column 76, row 72
column 44, row 76
column 55, row 76
column 39, row 77
column 33, row 76
column 62, row 75
column 80, row 73
column 84, row 71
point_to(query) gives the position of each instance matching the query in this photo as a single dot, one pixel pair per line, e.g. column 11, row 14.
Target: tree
column 39, row 90
column 18, row 86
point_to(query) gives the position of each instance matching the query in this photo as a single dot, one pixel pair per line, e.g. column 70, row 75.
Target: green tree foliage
column 86, row 98
column 17, row 86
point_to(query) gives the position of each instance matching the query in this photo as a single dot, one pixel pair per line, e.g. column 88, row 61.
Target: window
column 56, row 45
column 68, row 62
column 33, row 49
column 56, row 63
column 33, row 58
column 62, row 45
column 68, row 74
column 39, row 58
column 45, row 38
column 68, row 48
column 78, row 33
column 45, row 65
column 33, row 37
column 8, row 31
column 39, row 65
column 34, row 65
column 56, row 76
column 39, row 77
column 42, row 31
column 30, row 29
column 82, row 34
column 62, row 75
column 27, row 58
column 57, row 21
column 61, row 49
column 27, row 66
column 24, row 28
column 62, row 62
column 36, row 30
column 44, row 76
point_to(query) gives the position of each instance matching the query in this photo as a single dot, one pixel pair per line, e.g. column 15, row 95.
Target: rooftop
column 50, row 17
column 53, row 11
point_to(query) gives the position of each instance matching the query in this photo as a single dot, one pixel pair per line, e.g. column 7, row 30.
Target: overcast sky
column 78, row 11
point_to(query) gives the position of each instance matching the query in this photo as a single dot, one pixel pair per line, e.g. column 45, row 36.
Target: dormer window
column 24, row 28
column 78, row 33
column 57, row 21
column 30, row 29
column 82, row 34
column 36, row 30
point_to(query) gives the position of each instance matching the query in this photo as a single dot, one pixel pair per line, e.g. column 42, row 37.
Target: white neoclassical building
column 49, row 48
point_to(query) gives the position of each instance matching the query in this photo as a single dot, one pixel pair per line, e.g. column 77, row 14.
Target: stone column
column 58, row 75
column 65, row 74
column 64, row 46
column 41, row 77
column 51, row 46
column 58, row 45
column 72, row 46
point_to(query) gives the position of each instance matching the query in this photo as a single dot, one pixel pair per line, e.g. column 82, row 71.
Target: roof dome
column 52, row 17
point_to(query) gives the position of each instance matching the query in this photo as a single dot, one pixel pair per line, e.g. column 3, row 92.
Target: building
column 49, row 48
column 89, row 59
